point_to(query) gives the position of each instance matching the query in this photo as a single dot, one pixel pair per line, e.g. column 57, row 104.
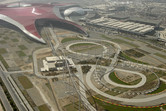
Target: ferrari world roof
column 24, row 15
column 74, row 9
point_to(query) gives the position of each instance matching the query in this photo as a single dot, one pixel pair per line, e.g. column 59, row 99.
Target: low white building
column 162, row 35
column 56, row 63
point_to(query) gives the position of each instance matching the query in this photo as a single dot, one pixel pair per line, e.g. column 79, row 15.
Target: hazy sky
column 81, row 2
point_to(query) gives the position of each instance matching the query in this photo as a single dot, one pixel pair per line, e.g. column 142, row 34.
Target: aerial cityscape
column 80, row 55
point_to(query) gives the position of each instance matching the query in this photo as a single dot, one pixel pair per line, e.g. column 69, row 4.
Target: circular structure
column 112, row 68
column 134, row 100
column 74, row 11
column 141, row 83
column 68, row 48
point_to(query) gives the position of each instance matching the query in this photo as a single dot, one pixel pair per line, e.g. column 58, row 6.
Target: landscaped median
column 1, row 106
column 70, row 39
column 120, row 41
column 110, row 106
column 126, row 57
column 26, row 83
column 10, row 99
column 161, row 89
column 44, row 107
column 113, row 76
column 4, row 62
column 81, row 47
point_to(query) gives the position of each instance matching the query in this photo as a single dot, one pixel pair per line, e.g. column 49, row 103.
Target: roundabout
column 139, row 100
column 68, row 48
column 130, row 101
column 99, row 82
column 141, row 83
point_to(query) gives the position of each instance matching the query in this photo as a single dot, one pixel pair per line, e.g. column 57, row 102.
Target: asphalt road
column 82, row 54
column 141, row 83
column 82, row 89
column 10, row 89
column 5, row 101
column 139, row 100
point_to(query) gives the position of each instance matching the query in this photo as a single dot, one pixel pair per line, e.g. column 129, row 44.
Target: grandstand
column 131, row 27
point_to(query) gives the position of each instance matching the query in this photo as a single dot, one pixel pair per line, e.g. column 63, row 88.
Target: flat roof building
column 131, row 27
column 56, row 63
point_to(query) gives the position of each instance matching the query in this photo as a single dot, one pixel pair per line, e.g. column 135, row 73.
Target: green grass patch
column 69, row 39
column 2, row 42
column 3, row 51
column 29, row 99
column 70, row 107
column 153, row 47
column 164, row 51
column 112, row 93
column 160, row 55
column 124, row 42
column 82, row 44
column 145, row 52
column 161, row 88
column 85, row 47
column 110, row 107
column 151, row 77
column 126, row 57
column 30, row 57
column 43, row 107
column 160, row 73
column 21, row 53
column 119, row 41
column 26, row 83
column 6, row 38
column 22, row 47
column 14, row 40
column 134, row 53
column 4, row 62
column 106, row 37
column 85, row 69
column 113, row 77
column 2, row 106
column 135, row 82
column 121, row 89
column 9, row 98
column 48, row 85
column 125, row 37
column 75, row 106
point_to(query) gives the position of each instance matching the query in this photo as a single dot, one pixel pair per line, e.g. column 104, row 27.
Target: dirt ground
column 1, row 109
column 128, row 77
column 46, row 91
column 36, row 97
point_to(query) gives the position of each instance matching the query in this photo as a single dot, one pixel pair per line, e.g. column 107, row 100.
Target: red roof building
column 25, row 16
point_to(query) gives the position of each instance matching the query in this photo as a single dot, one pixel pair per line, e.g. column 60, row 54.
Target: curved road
column 141, row 100
column 68, row 48
column 141, row 83
column 91, row 85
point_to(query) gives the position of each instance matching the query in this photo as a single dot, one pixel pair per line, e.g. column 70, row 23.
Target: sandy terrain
column 1, row 109
column 128, row 77
column 46, row 92
column 36, row 97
